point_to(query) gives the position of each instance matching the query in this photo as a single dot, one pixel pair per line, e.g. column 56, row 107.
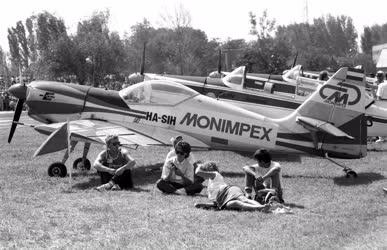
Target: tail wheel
column 82, row 165
column 57, row 169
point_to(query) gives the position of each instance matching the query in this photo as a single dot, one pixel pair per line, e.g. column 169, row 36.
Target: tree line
column 41, row 48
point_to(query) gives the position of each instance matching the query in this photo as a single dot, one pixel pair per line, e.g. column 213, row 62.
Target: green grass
column 330, row 211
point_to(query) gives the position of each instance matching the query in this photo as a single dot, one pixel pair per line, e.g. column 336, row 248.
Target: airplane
column 274, row 96
column 330, row 123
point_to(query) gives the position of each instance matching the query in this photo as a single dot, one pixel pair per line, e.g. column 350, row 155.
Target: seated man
column 267, row 184
column 178, row 172
column 114, row 166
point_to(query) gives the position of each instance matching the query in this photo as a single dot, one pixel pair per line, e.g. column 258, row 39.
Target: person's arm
column 100, row 167
column 275, row 170
column 205, row 174
column 251, row 170
column 178, row 172
column 167, row 170
column 129, row 165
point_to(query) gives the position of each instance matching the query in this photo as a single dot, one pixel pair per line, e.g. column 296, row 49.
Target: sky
column 222, row 19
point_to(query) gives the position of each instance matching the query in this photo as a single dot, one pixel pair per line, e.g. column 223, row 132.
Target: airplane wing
column 323, row 126
column 95, row 131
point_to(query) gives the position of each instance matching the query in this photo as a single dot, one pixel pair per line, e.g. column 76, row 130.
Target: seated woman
column 224, row 196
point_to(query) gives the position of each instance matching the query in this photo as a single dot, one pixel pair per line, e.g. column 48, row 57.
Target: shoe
column 105, row 187
column 116, row 187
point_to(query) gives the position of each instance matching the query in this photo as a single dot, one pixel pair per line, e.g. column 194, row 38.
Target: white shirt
column 186, row 167
column 382, row 91
column 214, row 185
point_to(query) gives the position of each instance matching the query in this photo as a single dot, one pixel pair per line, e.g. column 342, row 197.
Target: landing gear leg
column 58, row 169
column 348, row 171
column 83, row 163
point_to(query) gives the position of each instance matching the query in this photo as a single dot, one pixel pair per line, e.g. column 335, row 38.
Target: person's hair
column 184, row 147
column 323, row 75
column 380, row 74
column 176, row 140
column 209, row 166
column 262, row 155
column 110, row 138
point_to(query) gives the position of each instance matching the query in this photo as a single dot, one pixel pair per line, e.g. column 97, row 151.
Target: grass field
column 330, row 211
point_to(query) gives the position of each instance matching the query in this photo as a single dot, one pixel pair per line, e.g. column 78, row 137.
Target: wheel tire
column 351, row 173
column 78, row 164
column 57, row 169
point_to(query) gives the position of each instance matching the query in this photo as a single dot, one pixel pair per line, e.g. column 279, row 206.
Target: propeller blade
column 220, row 62
column 143, row 61
column 295, row 60
column 16, row 117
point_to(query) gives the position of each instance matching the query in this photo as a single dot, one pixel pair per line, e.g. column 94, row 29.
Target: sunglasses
column 115, row 143
column 180, row 153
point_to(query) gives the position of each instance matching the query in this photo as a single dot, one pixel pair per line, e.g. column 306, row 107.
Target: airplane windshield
column 157, row 92
column 235, row 79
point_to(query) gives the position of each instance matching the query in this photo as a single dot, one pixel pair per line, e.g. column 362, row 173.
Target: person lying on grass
column 224, row 196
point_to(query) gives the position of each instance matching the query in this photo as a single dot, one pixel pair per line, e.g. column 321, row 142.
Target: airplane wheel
column 78, row 164
column 57, row 169
column 351, row 173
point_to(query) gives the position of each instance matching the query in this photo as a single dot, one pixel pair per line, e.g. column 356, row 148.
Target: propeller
column 295, row 60
column 218, row 73
column 20, row 91
column 139, row 77
column 143, row 61
column 220, row 62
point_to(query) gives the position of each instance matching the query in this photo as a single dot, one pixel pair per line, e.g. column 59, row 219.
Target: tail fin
column 334, row 115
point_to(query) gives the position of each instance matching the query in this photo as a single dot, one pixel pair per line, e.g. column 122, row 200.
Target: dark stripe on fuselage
column 109, row 98
column 356, row 70
column 355, row 78
column 376, row 119
column 114, row 111
column 45, row 107
column 228, row 94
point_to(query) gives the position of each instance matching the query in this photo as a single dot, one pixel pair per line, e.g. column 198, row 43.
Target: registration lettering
column 155, row 117
column 226, row 126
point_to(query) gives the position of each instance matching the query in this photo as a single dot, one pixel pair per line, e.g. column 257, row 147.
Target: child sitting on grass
column 224, row 196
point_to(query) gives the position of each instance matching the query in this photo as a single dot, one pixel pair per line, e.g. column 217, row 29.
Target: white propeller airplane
column 274, row 96
column 330, row 123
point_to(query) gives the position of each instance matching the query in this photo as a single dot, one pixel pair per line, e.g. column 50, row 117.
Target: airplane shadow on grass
column 278, row 156
column 362, row 179
column 142, row 175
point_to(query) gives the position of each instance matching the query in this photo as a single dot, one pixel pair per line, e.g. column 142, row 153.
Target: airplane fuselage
column 279, row 101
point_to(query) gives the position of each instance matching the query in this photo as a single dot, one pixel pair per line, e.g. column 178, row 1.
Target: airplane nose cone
column 18, row 90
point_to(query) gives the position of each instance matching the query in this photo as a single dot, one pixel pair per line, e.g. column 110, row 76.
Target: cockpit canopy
column 156, row 92
column 235, row 79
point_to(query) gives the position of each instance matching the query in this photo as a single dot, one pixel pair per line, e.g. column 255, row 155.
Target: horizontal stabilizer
column 323, row 126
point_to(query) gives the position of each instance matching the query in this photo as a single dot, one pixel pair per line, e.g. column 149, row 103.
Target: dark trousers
column 124, row 180
column 251, row 183
column 170, row 187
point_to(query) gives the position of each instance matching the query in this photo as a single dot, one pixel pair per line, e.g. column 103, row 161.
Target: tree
column 266, row 25
column 23, row 44
column 374, row 35
column 100, row 51
column 14, row 48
